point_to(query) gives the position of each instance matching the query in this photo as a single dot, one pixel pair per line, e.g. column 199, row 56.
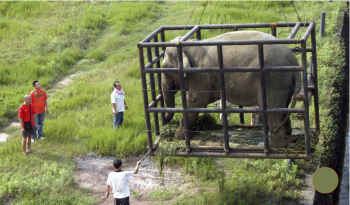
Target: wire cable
column 296, row 11
column 202, row 12
column 285, row 17
column 188, row 21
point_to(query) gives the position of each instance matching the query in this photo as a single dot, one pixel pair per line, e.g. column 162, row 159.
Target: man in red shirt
column 26, row 114
column 39, row 100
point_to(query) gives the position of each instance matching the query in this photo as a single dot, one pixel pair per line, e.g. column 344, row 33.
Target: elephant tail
column 297, row 85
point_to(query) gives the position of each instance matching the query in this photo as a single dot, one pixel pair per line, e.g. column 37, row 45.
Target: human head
column 117, row 163
column 36, row 84
column 117, row 85
column 27, row 99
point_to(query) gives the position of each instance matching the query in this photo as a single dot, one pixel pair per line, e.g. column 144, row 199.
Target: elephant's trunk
column 169, row 97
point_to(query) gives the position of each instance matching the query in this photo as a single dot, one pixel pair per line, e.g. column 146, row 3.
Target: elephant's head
column 171, row 81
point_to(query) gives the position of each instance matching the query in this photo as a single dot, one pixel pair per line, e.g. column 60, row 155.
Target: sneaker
column 42, row 138
column 32, row 140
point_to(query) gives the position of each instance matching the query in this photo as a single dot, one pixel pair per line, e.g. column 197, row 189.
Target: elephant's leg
column 192, row 117
column 193, row 101
column 278, row 137
column 288, row 126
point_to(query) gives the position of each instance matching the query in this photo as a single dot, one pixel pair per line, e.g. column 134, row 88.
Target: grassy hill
column 46, row 41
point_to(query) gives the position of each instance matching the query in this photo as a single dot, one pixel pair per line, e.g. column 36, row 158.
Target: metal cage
column 227, row 151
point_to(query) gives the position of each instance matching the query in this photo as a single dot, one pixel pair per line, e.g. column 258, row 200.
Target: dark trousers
column 122, row 201
column 118, row 119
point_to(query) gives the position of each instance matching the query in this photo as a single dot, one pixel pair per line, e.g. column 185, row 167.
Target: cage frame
column 226, row 150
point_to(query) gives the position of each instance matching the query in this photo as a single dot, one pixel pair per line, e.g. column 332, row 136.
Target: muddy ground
column 93, row 173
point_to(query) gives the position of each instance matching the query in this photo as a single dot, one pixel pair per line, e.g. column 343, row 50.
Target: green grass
column 45, row 40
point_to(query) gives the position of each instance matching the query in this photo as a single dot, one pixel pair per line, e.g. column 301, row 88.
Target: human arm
column 107, row 191
column 126, row 107
column 35, row 125
column 21, row 124
column 32, row 113
column 47, row 108
column 114, row 103
column 115, row 109
column 137, row 167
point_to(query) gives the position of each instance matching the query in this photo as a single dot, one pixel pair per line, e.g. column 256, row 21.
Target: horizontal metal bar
column 238, row 149
column 308, row 49
column 157, row 44
column 260, row 110
column 230, row 26
column 241, row 155
column 231, row 148
column 165, row 110
column 153, row 103
column 228, row 110
column 216, row 43
column 203, row 110
column 252, row 25
column 228, row 69
column 283, row 68
column 152, row 35
column 181, row 27
column 240, row 42
column 198, row 70
column 285, row 110
column 154, row 60
column 161, row 70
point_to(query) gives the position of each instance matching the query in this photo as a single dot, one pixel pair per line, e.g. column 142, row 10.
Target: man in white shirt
column 118, row 103
column 119, row 182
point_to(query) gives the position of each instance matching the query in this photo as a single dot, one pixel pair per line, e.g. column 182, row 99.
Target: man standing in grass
column 27, row 122
column 39, row 99
column 118, row 103
column 119, row 182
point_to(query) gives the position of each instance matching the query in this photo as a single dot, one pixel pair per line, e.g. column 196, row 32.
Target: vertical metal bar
column 323, row 19
column 309, row 75
column 306, row 101
column 153, row 92
column 183, row 97
column 263, row 91
column 223, row 99
column 273, row 31
column 145, row 98
column 241, row 116
column 162, row 38
column 314, row 64
column 199, row 35
column 159, row 80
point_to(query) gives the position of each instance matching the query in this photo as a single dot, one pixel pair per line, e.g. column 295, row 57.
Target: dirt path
column 93, row 173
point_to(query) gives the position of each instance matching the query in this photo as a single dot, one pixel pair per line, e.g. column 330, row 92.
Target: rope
column 285, row 17
column 187, row 21
column 302, row 29
column 202, row 12
column 299, row 19
column 296, row 11
column 145, row 155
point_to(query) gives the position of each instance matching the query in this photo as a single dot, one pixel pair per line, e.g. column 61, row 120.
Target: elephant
column 242, row 88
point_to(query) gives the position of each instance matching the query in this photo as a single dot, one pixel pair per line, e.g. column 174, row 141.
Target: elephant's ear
column 186, row 61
